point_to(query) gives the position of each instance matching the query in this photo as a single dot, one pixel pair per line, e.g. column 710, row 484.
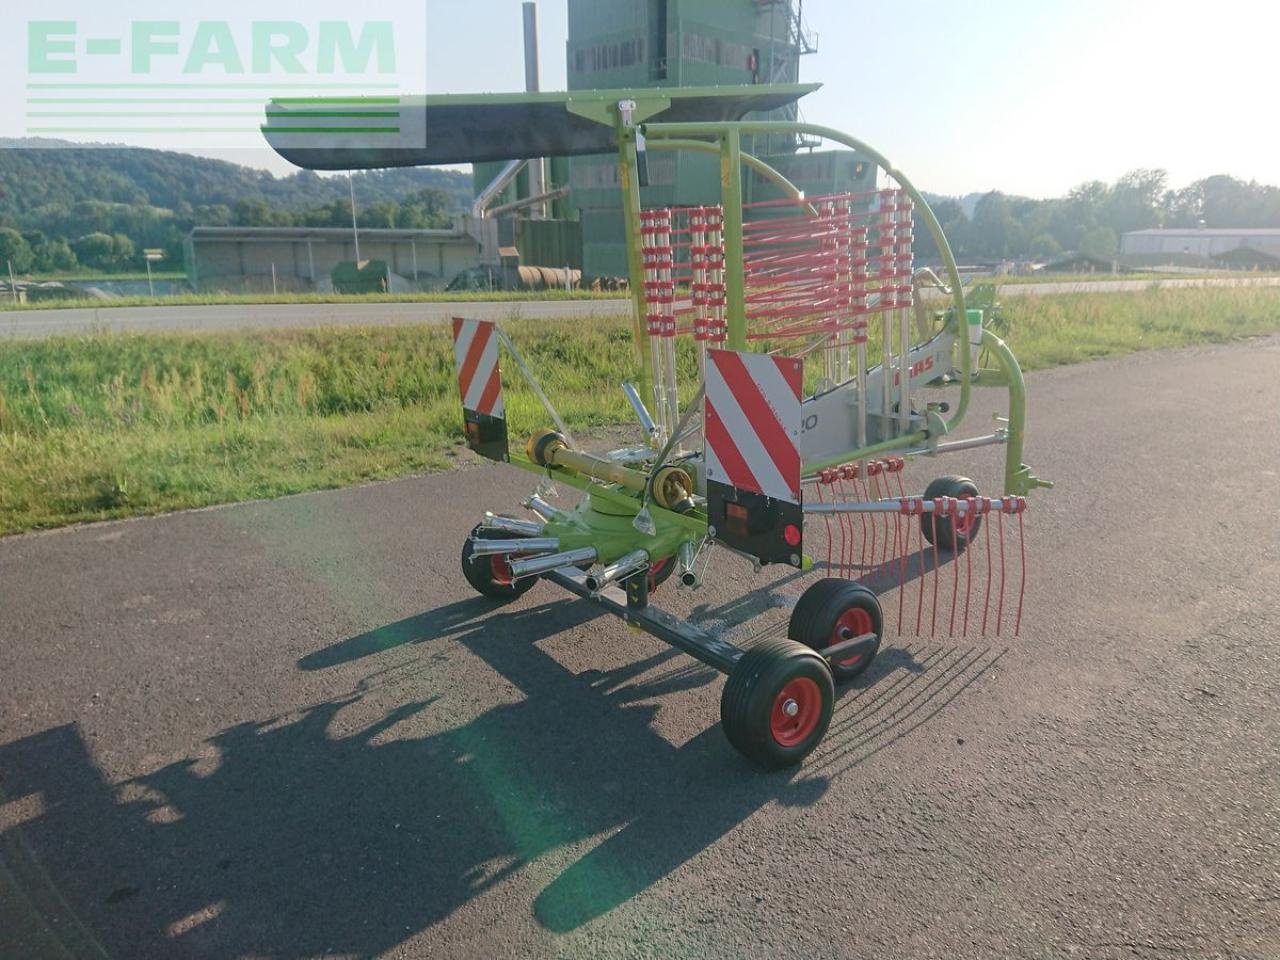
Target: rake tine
column 826, row 519
column 968, row 565
column 921, row 578
column 846, row 552
column 904, row 508
column 955, row 563
column 1000, row 608
column 986, row 600
column 933, row 626
column 882, row 491
column 1022, row 580
column 868, row 560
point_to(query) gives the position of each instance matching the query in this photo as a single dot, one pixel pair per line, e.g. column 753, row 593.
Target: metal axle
column 523, row 528
column 541, row 508
column 629, row 565
column 523, row 545
column 642, row 414
column 536, row 566
column 686, row 557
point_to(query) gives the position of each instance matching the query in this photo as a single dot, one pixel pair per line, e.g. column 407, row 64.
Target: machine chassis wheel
column 777, row 703
column 491, row 576
column 833, row 610
column 944, row 532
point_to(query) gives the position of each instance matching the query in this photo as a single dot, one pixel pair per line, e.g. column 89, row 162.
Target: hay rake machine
column 815, row 371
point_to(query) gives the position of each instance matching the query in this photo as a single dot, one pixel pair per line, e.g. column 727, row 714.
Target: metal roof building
column 1209, row 243
column 302, row 258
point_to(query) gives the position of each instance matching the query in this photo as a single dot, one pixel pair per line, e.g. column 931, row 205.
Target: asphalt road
column 45, row 323
column 288, row 729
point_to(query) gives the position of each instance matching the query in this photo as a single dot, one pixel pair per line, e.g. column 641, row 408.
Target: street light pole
column 355, row 230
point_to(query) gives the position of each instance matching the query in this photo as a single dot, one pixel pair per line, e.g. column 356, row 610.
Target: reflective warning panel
column 753, row 422
column 475, row 354
column 752, row 428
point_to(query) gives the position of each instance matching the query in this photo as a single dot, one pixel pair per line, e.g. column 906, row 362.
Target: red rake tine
column 883, row 494
column 846, row 529
column 826, row 517
column 933, row 626
column 955, row 563
column 1000, row 607
column 904, row 509
column 842, row 520
column 986, row 601
column 1022, row 581
column 921, row 577
column 968, row 562
column 869, row 522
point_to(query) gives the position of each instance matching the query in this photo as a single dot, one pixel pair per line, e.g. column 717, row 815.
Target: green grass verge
column 115, row 425
column 1149, row 275
column 217, row 299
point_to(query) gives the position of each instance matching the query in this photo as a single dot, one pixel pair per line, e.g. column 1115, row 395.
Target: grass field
column 216, row 299
column 118, row 425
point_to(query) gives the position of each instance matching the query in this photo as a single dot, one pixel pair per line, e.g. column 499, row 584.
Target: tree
column 997, row 234
column 122, row 250
column 15, row 250
column 1044, row 247
column 94, row 249
column 1100, row 242
column 1134, row 203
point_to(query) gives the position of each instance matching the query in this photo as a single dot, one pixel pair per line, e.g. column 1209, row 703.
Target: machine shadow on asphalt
column 257, row 846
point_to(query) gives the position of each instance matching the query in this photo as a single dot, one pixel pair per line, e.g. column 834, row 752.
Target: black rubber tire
column 940, row 531
column 479, row 570
column 747, row 703
column 819, row 610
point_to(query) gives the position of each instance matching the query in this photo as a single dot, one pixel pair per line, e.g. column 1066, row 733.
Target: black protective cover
column 767, row 518
column 486, row 435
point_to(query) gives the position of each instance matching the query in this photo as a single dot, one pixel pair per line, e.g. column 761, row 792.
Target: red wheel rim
column 963, row 522
column 856, row 622
column 796, row 711
column 657, row 569
column 500, row 570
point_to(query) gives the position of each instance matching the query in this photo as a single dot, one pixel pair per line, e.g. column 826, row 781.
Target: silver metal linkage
column 521, row 528
column 524, row 545
column 535, row 566
column 626, row 566
column 642, row 413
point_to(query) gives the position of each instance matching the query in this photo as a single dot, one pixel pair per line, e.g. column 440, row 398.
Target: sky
column 1029, row 97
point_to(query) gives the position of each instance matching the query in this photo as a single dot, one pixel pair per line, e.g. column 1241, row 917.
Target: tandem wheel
column 491, row 576
column 944, row 532
column 777, row 703
column 832, row 611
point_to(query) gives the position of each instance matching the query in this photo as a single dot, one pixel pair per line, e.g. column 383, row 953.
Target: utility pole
column 152, row 256
column 355, row 230
column 13, row 284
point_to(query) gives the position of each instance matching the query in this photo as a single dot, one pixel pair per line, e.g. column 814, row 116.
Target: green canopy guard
column 366, row 133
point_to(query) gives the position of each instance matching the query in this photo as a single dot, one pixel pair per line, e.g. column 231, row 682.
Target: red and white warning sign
column 753, row 422
column 475, row 352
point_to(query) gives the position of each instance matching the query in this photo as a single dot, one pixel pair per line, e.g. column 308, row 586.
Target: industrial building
column 1227, row 247
column 627, row 44
column 303, row 258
